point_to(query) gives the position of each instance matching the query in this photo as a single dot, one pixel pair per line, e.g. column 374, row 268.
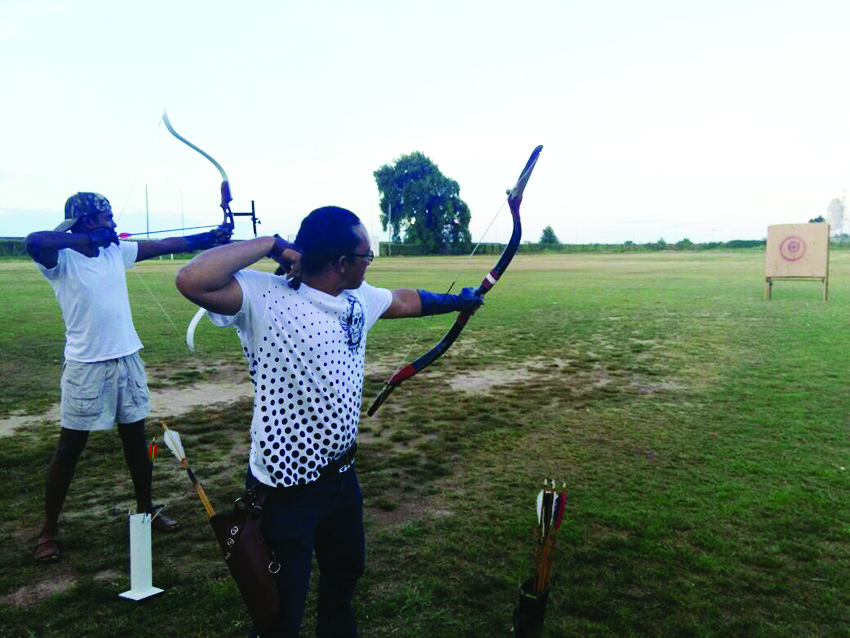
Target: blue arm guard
column 214, row 237
column 438, row 304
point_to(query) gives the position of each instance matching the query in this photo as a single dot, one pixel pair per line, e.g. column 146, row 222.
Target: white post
column 147, row 215
column 141, row 560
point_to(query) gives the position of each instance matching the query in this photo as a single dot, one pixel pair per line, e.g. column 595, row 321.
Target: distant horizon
column 524, row 241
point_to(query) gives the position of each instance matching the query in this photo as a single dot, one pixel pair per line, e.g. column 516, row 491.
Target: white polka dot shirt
column 305, row 352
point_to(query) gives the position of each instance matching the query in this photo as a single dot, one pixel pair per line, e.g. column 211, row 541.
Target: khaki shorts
column 96, row 395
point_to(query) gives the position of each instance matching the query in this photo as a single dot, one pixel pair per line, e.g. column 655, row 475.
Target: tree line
column 425, row 215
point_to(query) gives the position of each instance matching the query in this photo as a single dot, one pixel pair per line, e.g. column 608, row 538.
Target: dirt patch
column 647, row 387
column 424, row 507
column 27, row 595
column 225, row 387
column 223, row 384
column 486, row 381
column 483, row 381
column 109, row 576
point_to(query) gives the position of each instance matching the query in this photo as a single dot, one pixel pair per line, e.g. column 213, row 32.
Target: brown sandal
column 162, row 523
column 48, row 549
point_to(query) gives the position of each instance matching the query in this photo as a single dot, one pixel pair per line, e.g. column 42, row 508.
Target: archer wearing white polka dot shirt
column 304, row 336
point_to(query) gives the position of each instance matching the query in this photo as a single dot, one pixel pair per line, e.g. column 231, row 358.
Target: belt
column 347, row 458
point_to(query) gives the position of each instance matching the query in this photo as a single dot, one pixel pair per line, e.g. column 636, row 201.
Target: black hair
column 326, row 234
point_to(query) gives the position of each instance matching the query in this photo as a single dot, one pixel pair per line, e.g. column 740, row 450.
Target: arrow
column 170, row 230
column 172, row 440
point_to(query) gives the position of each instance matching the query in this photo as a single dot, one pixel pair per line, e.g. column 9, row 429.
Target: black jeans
column 326, row 516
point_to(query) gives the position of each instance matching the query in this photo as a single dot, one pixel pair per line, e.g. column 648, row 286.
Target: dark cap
column 82, row 205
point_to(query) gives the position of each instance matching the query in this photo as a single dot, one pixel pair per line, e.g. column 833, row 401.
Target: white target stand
column 141, row 560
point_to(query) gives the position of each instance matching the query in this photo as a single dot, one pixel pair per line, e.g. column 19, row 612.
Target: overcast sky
column 705, row 119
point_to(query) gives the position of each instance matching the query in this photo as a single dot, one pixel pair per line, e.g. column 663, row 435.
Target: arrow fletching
column 559, row 509
column 172, row 440
column 547, row 512
column 550, row 514
column 540, row 507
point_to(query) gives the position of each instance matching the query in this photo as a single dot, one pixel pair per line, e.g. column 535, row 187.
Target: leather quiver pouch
column 251, row 562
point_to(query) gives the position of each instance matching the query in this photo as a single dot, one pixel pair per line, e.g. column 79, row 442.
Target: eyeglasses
column 367, row 256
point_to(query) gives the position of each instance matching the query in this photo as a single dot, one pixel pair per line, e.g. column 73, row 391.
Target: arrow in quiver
column 534, row 592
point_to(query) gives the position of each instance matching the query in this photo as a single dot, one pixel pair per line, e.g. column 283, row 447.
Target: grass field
column 701, row 431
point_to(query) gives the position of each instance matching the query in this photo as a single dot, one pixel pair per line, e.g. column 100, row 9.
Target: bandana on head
column 82, row 205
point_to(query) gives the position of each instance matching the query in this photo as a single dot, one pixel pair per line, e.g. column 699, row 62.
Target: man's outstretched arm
column 408, row 302
column 187, row 244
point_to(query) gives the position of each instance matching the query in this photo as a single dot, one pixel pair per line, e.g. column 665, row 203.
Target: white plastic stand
column 141, row 561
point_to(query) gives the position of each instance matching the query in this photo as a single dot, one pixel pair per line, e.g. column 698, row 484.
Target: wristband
column 279, row 245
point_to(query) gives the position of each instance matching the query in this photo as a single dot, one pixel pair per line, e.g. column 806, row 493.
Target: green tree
column 549, row 238
column 423, row 204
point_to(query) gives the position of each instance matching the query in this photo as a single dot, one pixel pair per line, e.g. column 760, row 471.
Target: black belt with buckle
column 347, row 458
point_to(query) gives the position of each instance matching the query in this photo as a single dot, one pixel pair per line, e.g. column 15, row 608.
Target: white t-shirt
column 92, row 293
column 305, row 352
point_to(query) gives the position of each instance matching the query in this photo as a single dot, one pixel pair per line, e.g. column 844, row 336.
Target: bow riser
column 226, row 198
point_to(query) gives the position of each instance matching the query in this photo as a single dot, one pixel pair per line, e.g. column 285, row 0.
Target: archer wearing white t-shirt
column 305, row 338
column 103, row 377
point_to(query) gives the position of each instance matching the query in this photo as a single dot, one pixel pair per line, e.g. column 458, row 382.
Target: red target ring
column 792, row 248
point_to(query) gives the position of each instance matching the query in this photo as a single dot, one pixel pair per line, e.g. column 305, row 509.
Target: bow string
column 514, row 200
